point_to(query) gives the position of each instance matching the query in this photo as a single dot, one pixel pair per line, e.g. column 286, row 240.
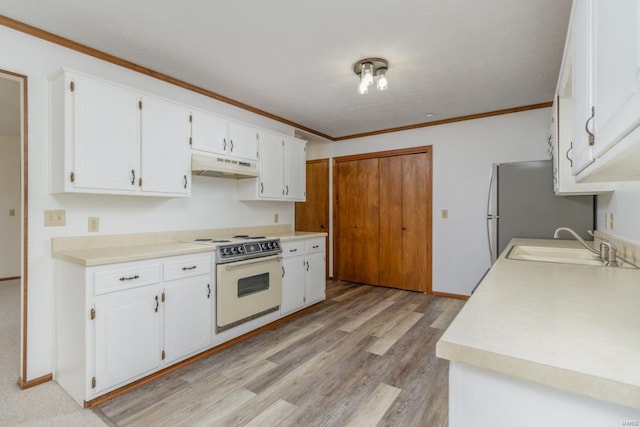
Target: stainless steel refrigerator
column 521, row 203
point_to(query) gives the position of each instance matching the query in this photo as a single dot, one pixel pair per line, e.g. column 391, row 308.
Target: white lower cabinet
column 303, row 280
column 128, row 328
column 116, row 323
column 187, row 316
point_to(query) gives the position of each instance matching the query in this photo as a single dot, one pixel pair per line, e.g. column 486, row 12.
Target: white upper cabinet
column 581, row 81
column 209, row 133
column 606, row 90
column 243, row 141
column 95, row 136
column 271, row 164
column 282, row 165
column 165, row 147
column 217, row 135
column 295, row 158
column 616, row 82
column 101, row 141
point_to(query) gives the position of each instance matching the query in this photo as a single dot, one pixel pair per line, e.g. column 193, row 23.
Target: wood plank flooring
column 364, row 357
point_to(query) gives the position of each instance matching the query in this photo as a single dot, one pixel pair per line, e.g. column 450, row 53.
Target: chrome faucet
column 608, row 251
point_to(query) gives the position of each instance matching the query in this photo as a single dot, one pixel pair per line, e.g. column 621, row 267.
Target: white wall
column 462, row 156
column 10, row 199
column 213, row 203
column 624, row 203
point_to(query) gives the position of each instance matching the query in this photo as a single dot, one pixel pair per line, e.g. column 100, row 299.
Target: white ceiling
column 294, row 58
column 9, row 107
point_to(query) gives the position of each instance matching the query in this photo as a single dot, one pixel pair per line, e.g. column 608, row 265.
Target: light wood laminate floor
column 364, row 357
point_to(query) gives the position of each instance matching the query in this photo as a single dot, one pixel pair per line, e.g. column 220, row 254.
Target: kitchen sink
column 578, row 256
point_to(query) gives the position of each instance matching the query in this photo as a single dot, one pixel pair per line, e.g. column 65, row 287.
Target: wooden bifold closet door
column 383, row 215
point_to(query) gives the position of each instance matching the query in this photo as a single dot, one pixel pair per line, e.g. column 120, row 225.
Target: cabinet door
column 314, row 277
column 616, row 71
column 358, row 224
column 581, row 75
column 243, row 141
column 106, row 132
column 187, row 316
column 209, row 133
column 127, row 336
column 294, row 169
column 270, row 185
column 293, row 284
column 166, row 166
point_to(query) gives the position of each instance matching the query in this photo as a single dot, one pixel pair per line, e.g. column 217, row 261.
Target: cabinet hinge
column 163, row 297
column 190, row 140
column 139, row 105
column 283, row 142
column 140, row 182
column 190, row 118
column 257, row 137
column 72, row 86
column 72, row 177
column 163, row 354
column 257, row 154
column 93, row 382
column 92, row 313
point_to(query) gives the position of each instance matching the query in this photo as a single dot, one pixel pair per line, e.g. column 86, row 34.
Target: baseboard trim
column 145, row 380
column 448, row 295
column 4, row 279
column 34, row 382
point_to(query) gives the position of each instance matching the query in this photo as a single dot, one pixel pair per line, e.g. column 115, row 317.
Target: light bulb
column 363, row 88
column 381, row 75
column 366, row 76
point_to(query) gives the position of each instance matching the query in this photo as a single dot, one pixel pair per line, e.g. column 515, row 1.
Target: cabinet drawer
column 314, row 245
column 126, row 277
column 187, row 267
column 290, row 249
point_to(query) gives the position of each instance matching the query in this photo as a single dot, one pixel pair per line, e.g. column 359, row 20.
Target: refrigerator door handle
column 490, row 216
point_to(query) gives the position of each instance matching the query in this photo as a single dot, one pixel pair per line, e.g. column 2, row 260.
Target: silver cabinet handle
column 157, row 304
column 567, row 154
column 287, row 193
column 185, row 182
column 261, row 187
column 193, row 267
column 208, row 291
column 283, row 271
column 231, row 148
column 307, row 265
column 224, row 146
column 586, row 126
column 133, row 177
column 126, row 279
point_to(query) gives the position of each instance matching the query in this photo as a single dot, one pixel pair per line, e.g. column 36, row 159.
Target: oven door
column 247, row 289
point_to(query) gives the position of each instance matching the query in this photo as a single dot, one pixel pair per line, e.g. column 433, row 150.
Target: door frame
column 24, row 167
column 428, row 149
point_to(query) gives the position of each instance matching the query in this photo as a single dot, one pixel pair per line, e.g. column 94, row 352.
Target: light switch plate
column 445, row 213
column 54, row 218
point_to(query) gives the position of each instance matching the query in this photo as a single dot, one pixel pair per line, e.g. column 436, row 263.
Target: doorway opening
column 13, row 224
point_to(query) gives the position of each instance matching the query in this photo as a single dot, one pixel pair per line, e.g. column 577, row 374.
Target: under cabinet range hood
column 211, row 165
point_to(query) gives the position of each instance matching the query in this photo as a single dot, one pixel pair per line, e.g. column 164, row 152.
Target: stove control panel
column 247, row 250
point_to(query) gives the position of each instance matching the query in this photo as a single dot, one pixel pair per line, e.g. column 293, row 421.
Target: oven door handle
column 233, row 265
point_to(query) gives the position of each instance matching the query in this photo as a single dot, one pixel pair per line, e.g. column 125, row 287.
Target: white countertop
column 572, row 327
column 92, row 256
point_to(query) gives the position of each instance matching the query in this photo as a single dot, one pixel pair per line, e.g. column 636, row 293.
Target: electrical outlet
column 445, row 213
column 275, row 218
column 611, row 220
column 54, row 218
column 94, row 224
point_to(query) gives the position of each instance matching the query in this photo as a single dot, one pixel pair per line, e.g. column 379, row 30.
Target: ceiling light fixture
column 370, row 70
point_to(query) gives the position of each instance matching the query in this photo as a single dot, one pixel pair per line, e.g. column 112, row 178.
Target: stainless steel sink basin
column 577, row 256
